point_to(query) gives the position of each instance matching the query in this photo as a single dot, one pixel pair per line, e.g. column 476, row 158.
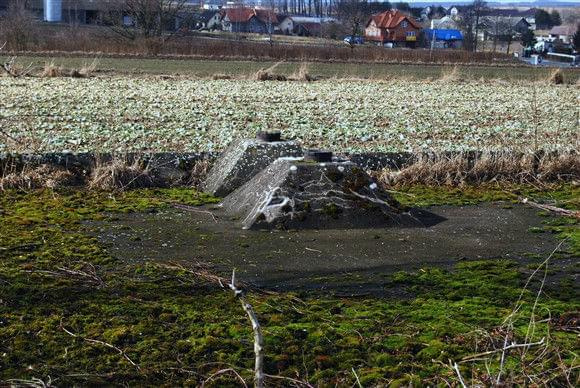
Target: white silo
column 53, row 11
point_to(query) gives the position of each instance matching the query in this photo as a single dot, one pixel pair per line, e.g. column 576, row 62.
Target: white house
column 289, row 23
column 445, row 23
column 453, row 12
column 563, row 33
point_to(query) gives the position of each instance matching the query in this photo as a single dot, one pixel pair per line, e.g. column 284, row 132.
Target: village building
column 254, row 20
column 503, row 28
column 562, row 33
column 302, row 25
column 445, row 23
column 208, row 20
column 439, row 38
column 393, row 27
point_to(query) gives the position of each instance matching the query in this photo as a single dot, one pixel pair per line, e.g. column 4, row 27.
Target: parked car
column 354, row 40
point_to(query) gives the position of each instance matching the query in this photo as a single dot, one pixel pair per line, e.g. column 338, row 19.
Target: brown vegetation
column 557, row 77
column 104, row 42
column 488, row 167
column 37, row 177
column 119, row 174
column 428, row 169
column 198, row 172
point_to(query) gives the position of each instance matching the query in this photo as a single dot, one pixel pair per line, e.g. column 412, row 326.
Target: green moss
column 180, row 329
column 420, row 195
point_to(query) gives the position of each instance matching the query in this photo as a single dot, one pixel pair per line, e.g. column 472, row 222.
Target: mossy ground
column 179, row 329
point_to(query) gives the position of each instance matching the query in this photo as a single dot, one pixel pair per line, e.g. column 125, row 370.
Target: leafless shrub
column 437, row 169
column 119, row 174
column 17, row 27
column 43, row 176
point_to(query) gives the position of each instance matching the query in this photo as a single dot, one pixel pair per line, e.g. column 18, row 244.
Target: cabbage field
column 159, row 114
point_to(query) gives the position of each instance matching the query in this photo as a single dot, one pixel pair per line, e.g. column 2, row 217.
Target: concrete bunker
column 244, row 159
column 314, row 191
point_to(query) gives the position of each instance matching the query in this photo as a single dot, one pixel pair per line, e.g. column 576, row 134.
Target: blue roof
column 443, row 34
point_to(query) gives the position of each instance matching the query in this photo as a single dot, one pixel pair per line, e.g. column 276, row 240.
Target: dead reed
column 120, row 174
column 37, row 177
column 198, row 173
column 556, row 77
column 458, row 169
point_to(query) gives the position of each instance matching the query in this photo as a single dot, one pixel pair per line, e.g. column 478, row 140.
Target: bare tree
column 17, row 26
column 146, row 18
column 353, row 14
column 469, row 22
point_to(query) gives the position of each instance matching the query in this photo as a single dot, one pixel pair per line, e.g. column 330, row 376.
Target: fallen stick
column 193, row 209
column 258, row 338
column 554, row 209
column 512, row 346
column 121, row 352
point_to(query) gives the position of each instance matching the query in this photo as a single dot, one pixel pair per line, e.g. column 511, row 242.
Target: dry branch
column 221, row 372
column 193, row 209
column 295, row 381
column 504, row 349
column 93, row 341
column 554, row 209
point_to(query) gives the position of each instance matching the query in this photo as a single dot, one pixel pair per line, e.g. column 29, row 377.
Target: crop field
column 172, row 114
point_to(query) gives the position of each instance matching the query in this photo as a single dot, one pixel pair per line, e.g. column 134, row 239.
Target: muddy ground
column 345, row 262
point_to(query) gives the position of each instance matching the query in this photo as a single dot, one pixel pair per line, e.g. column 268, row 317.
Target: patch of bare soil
column 344, row 261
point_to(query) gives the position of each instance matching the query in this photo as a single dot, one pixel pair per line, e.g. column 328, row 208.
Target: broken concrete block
column 241, row 161
column 295, row 193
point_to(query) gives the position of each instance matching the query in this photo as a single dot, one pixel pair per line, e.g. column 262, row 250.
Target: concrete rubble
column 298, row 193
column 242, row 160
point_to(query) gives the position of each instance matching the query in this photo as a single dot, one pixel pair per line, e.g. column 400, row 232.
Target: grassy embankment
column 204, row 68
column 177, row 328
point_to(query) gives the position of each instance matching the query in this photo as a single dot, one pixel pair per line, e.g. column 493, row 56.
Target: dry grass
column 88, row 69
column 268, row 74
column 302, row 74
column 198, row 173
column 451, row 75
column 220, row 76
column 557, row 77
column 51, row 70
column 38, row 177
column 488, row 167
column 119, row 174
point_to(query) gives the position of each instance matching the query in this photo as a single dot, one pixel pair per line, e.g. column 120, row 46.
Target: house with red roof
column 392, row 26
column 244, row 19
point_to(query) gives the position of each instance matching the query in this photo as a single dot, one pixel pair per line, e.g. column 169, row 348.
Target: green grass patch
column 179, row 329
